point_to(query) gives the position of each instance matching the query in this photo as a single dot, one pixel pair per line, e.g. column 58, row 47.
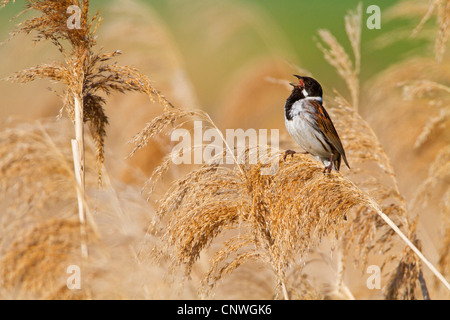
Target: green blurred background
column 212, row 51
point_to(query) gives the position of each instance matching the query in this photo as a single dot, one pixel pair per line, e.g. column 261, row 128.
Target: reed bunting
column 310, row 126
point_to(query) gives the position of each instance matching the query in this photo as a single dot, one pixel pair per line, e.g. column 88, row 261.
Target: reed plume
column 276, row 218
column 37, row 181
column 85, row 73
column 438, row 170
column 279, row 217
column 40, row 236
column 282, row 216
column 336, row 56
column 434, row 189
column 238, row 229
column 361, row 139
column 36, row 174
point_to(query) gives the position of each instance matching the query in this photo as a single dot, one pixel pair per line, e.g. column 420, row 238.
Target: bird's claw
column 328, row 168
column 289, row 152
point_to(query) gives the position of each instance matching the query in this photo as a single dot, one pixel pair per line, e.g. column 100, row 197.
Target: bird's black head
column 308, row 87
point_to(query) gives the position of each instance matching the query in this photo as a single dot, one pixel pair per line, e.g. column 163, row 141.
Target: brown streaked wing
column 326, row 125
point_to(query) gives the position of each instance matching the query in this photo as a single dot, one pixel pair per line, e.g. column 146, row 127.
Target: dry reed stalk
column 363, row 146
column 360, row 137
column 214, row 198
column 444, row 29
column 155, row 50
column 435, row 189
column 84, row 73
column 277, row 216
column 79, row 165
column 418, row 114
column 37, row 182
column 421, row 122
column 443, row 18
column 39, row 230
column 36, row 174
column 444, row 259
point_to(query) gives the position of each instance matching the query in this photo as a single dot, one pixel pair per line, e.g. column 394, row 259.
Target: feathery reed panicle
column 363, row 146
column 85, row 73
column 380, row 182
column 267, row 222
column 39, row 231
column 36, row 182
column 278, row 217
column 157, row 125
column 434, row 189
column 336, row 55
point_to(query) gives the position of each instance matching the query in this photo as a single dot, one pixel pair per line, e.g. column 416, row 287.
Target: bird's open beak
column 300, row 84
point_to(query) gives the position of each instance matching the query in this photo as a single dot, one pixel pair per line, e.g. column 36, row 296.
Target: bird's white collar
column 307, row 97
column 314, row 98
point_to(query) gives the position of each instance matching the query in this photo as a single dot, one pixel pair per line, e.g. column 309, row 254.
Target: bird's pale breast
column 303, row 129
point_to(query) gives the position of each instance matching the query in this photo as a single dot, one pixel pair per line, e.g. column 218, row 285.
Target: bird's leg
column 289, row 152
column 330, row 166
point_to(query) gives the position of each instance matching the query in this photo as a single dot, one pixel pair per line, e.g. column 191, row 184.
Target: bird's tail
column 345, row 160
column 337, row 162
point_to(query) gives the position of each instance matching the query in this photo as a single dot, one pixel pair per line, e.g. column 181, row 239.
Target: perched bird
column 310, row 126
